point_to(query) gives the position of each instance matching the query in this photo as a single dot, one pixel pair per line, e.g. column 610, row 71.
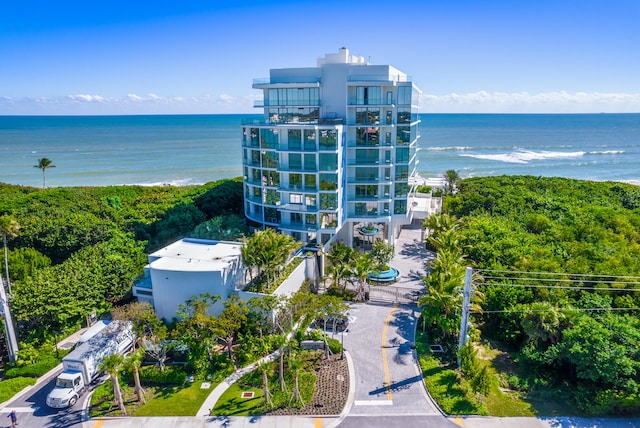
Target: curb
column 39, row 381
column 350, row 397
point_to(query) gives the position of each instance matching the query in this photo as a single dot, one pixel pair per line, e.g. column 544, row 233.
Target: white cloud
column 524, row 102
column 476, row 102
column 85, row 98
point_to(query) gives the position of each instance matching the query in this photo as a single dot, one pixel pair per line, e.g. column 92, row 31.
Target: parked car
column 332, row 324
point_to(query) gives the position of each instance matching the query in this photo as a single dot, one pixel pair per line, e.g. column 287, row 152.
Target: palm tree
column 8, row 227
column 266, row 393
column 542, row 324
column 112, row 365
column 451, row 180
column 44, row 164
column 362, row 269
column 338, row 272
column 133, row 362
column 295, row 365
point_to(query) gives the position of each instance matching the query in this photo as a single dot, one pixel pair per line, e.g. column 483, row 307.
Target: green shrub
column 341, row 293
column 423, row 189
column 172, row 375
column 334, row 345
column 10, row 387
column 37, row 369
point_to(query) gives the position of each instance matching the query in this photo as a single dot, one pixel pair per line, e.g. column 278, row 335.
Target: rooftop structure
column 187, row 268
column 335, row 150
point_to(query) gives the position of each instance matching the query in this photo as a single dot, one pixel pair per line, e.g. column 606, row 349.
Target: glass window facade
column 402, row 172
column 404, row 116
column 369, row 136
column 270, row 178
column 403, row 135
column 367, row 156
column 366, row 174
column 295, row 139
column 328, row 201
column 292, row 97
column 365, row 116
column 310, row 139
column 328, row 161
column 295, row 180
column 402, row 154
column 310, row 182
column 400, row 206
column 310, row 162
column 269, row 138
column 293, row 115
column 295, row 161
column 328, row 181
column 272, row 197
column 404, row 95
column 328, row 139
column 366, row 95
column 402, row 189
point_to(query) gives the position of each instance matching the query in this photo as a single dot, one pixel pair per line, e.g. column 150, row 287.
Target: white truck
column 92, row 331
column 81, row 366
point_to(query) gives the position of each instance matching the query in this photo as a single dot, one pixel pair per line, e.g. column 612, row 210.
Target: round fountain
column 385, row 276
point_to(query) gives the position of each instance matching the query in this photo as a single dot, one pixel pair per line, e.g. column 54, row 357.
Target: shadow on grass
column 237, row 407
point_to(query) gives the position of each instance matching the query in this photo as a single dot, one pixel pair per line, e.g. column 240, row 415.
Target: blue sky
column 192, row 56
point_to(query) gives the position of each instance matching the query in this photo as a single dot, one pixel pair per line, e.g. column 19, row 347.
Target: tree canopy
column 538, row 240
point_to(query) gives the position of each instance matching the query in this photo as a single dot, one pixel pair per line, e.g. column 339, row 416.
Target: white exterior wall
column 188, row 268
column 171, row 288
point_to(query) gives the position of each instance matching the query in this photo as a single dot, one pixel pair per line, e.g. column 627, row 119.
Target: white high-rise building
column 333, row 156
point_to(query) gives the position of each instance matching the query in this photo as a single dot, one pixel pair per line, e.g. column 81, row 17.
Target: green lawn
column 161, row 400
column 232, row 404
column 176, row 401
column 445, row 387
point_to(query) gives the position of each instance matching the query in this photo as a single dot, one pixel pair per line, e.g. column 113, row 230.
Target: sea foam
column 525, row 156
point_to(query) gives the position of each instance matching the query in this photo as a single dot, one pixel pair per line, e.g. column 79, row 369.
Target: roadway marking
column 387, row 376
column 99, row 423
column 19, row 409
column 373, row 403
column 318, row 422
column 458, row 420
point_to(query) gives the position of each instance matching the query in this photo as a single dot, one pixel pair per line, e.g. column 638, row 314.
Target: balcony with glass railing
column 302, row 208
column 306, row 81
column 294, row 103
column 381, row 101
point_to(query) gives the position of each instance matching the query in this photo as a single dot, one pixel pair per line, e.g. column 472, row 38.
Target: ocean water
column 194, row 149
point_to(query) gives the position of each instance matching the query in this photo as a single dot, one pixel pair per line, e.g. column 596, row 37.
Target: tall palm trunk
column 138, row 387
column 283, row 385
column 117, row 393
column 265, row 390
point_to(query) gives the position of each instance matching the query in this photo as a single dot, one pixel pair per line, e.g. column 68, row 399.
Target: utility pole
column 10, row 334
column 466, row 303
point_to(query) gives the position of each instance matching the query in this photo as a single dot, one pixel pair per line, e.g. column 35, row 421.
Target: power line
column 557, row 309
column 507, row 278
column 565, row 287
column 557, row 273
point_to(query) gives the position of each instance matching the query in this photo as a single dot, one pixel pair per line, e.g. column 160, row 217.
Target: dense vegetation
column 79, row 249
column 577, row 333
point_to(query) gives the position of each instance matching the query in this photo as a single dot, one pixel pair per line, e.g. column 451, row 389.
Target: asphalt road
column 33, row 411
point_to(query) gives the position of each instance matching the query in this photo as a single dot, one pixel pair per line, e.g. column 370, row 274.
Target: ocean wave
column 607, row 152
column 525, row 156
column 178, row 183
column 446, row 149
